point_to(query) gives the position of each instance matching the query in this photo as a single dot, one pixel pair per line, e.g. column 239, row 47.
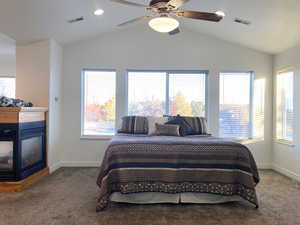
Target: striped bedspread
column 135, row 164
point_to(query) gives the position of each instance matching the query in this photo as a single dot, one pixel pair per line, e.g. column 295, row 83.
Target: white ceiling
column 275, row 23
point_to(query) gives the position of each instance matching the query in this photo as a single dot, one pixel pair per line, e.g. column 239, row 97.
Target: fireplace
column 22, row 149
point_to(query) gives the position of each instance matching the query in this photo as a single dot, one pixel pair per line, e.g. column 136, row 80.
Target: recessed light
column 220, row 13
column 99, row 12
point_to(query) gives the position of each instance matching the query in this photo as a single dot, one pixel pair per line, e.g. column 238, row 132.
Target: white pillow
column 152, row 121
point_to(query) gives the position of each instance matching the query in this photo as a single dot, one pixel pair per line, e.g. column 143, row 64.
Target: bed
column 167, row 169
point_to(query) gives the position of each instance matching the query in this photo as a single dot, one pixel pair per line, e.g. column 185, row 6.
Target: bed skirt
column 157, row 197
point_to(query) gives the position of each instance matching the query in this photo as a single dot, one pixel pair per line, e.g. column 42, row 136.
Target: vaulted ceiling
column 275, row 23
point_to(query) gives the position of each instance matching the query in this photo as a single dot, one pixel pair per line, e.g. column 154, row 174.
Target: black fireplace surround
column 22, row 150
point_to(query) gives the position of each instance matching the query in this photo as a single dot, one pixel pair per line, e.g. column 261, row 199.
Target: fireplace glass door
column 31, row 151
column 6, row 155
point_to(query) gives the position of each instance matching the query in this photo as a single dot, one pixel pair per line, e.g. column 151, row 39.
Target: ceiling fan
column 163, row 13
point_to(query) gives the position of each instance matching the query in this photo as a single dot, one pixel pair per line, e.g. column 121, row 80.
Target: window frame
column 258, row 138
column 251, row 108
column 15, row 79
column 82, row 104
column 168, row 72
column 282, row 140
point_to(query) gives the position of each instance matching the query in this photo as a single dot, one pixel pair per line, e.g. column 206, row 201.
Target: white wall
column 286, row 159
column 54, row 115
column 33, row 73
column 141, row 48
column 39, row 68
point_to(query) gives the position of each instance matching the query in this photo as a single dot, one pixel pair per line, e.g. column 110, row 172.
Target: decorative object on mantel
column 12, row 102
column 22, row 147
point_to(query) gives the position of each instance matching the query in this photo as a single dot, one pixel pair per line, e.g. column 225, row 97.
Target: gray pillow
column 185, row 128
column 134, row 125
column 167, row 130
column 198, row 124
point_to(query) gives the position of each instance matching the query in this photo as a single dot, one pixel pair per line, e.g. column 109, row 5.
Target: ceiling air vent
column 76, row 20
column 241, row 21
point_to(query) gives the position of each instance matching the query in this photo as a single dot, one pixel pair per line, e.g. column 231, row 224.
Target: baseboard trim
column 286, row 172
column 54, row 167
column 80, row 164
column 264, row 166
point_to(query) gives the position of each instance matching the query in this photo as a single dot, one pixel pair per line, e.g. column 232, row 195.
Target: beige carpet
column 68, row 197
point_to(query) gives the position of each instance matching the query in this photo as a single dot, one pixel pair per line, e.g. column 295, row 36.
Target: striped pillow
column 134, row 125
column 198, row 124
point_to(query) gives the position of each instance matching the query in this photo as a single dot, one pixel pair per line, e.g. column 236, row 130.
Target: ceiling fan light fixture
column 163, row 24
column 220, row 13
column 98, row 12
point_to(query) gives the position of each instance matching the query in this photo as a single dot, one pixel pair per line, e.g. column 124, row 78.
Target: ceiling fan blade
column 175, row 4
column 199, row 15
column 134, row 20
column 131, row 3
column 174, row 32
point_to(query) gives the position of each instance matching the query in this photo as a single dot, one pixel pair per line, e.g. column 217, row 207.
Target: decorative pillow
column 185, row 129
column 167, row 130
column 152, row 121
column 134, row 125
column 198, row 124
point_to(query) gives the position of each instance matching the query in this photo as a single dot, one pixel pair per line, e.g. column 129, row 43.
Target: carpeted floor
column 68, row 197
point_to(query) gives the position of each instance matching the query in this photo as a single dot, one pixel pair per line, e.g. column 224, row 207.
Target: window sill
column 96, row 137
column 284, row 142
column 249, row 140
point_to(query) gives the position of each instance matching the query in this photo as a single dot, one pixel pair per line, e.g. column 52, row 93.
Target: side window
column 98, row 102
column 284, row 106
column 235, row 105
column 8, row 87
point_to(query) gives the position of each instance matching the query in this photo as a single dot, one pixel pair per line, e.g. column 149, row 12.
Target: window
column 8, row 87
column 99, row 103
column 235, row 105
column 285, row 106
column 187, row 94
column 259, row 108
column 155, row 93
column 146, row 93
column 242, row 106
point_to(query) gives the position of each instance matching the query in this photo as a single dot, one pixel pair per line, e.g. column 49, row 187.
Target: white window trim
column 168, row 72
column 251, row 138
column 248, row 140
column 96, row 137
column 275, row 138
column 12, row 77
column 82, row 104
column 284, row 142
